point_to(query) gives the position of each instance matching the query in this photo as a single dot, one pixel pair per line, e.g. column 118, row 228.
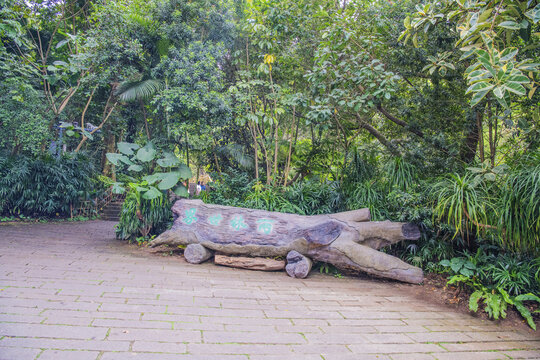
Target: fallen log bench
column 347, row 240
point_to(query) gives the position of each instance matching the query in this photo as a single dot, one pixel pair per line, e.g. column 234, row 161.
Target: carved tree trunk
column 347, row 240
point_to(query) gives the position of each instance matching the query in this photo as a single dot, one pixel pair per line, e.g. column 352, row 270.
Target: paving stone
column 124, row 324
column 360, row 357
column 394, row 348
column 286, row 357
column 411, row 356
column 18, row 353
column 158, row 356
column 470, row 356
column 160, row 347
column 63, row 344
column 499, row 345
column 440, row 337
column 68, row 355
column 53, row 331
column 523, row 354
column 154, row 335
column 252, row 337
column 84, row 295
column 251, row 349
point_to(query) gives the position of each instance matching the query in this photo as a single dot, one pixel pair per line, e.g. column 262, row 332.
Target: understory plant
column 149, row 174
column 497, row 279
column 495, row 299
column 141, row 217
column 45, row 186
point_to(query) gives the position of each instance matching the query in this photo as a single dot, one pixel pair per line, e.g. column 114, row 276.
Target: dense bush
column 45, row 186
column 146, row 174
column 141, row 217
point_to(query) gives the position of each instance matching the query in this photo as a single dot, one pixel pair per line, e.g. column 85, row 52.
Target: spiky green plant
column 367, row 195
column 520, row 208
column 400, row 173
column 142, row 217
column 463, row 202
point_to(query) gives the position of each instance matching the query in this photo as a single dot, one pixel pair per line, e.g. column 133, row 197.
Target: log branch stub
column 298, row 265
column 196, row 254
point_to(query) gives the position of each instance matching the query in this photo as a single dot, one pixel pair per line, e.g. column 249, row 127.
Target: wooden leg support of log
column 298, row 266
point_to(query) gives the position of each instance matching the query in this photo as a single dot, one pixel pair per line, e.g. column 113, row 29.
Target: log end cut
column 410, row 231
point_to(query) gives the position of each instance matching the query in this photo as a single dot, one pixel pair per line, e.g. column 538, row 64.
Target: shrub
column 142, row 217
column 149, row 175
column 520, row 207
column 44, row 186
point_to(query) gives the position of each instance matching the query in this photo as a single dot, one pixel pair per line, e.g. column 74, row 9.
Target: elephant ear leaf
column 152, row 193
column 135, row 167
column 117, row 188
column 184, row 171
column 169, row 160
column 169, row 180
column 146, row 153
column 127, row 148
column 115, row 159
column 181, row 190
column 151, row 179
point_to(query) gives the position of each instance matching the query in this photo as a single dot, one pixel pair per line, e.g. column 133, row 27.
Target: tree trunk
column 479, row 118
column 378, row 136
column 110, row 147
column 470, row 143
column 347, row 240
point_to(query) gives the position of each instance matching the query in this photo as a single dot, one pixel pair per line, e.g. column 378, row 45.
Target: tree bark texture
column 346, row 240
column 250, row 263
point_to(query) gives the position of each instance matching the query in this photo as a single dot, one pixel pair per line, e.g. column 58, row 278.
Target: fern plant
column 495, row 299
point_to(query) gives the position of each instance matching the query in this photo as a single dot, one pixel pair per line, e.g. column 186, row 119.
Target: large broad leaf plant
column 152, row 171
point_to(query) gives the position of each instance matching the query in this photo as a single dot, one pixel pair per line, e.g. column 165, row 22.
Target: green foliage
column 44, row 186
column 400, row 173
column 519, row 206
column 143, row 217
column 146, row 209
column 515, row 275
column 460, row 266
column 495, row 299
column 368, row 194
column 462, row 201
column 24, row 127
column 488, row 32
column 141, row 161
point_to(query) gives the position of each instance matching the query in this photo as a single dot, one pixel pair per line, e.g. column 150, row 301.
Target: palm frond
column 239, row 154
column 138, row 90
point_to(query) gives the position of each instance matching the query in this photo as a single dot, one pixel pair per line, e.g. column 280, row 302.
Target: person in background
column 198, row 188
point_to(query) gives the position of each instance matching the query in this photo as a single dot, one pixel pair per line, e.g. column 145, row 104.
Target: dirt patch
column 434, row 290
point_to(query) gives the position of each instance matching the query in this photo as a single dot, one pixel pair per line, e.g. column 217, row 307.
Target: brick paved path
column 70, row 291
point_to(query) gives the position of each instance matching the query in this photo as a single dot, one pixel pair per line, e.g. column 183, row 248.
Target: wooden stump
column 196, row 253
column 251, row 263
column 298, row 266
